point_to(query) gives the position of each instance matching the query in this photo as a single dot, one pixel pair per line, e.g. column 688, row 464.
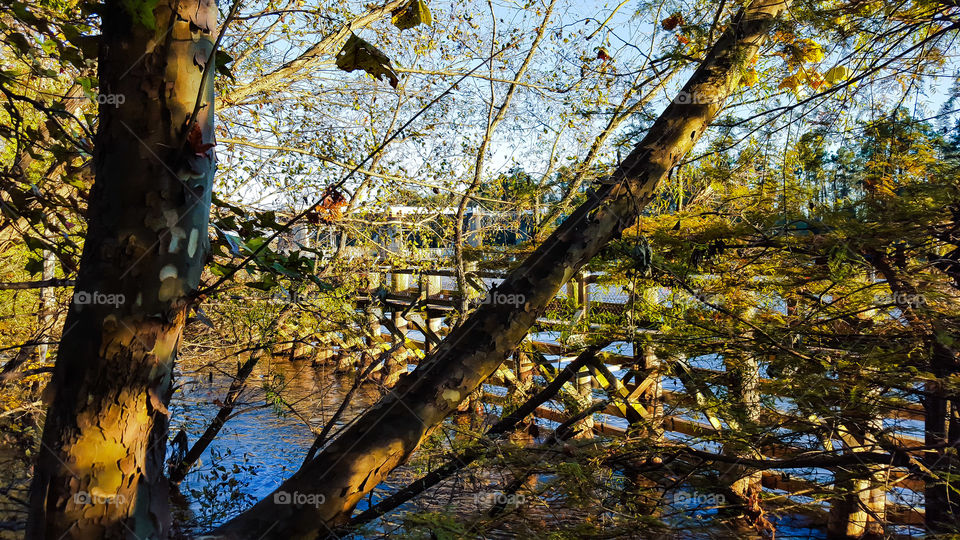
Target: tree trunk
column 384, row 437
column 942, row 432
column 941, row 408
column 100, row 468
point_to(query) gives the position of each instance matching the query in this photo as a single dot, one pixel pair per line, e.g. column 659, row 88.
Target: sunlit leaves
column 672, row 22
column 19, row 42
column 791, row 82
column 414, row 13
column 837, row 74
column 358, row 54
column 329, row 209
column 806, row 51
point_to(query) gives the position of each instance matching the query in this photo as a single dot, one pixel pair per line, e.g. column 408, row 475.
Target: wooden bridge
column 400, row 300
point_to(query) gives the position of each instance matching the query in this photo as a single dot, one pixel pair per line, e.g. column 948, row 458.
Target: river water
column 284, row 403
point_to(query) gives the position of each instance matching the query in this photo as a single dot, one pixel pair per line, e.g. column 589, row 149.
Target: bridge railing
column 410, row 306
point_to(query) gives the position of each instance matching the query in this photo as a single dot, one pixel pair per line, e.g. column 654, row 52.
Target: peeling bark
column 100, row 468
column 388, row 433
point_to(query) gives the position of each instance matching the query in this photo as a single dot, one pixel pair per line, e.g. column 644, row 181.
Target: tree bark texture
column 100, row 468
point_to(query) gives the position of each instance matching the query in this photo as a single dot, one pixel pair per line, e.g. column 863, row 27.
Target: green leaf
column 75, row 181
column 265, row 285
column 254, row 244
column 358, row 54
column 88, row 84
column 281, row 269
column 228, row 223
column 34, row 244
column 74, row 56
column 218, row 269
column 269, row 219
column 220, row 202
column 142, row 11
column 230, row 241
column 414, row 13
column 19, row 42
column 33, row 266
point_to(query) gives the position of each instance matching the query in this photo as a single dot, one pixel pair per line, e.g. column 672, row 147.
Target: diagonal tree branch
column 309, row 58
column 386, row 435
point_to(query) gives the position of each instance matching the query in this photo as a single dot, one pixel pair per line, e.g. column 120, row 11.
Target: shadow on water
column 273, row 425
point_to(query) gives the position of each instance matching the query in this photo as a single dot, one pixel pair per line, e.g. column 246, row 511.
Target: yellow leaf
column 751, row 77
column 837, row 74
column 813, row 55
column 791, row 83
column 414, row 13
column 807, row 51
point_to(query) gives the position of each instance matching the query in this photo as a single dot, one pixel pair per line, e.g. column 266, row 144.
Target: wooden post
column 647, row 370
column 584, row 388
column 744, row 483
column 583, row 295
column 652, row 398
column 374, row 279
column 470, row 267
column 523, row 368
column 470, row 292
column 573, row 290
column 431, row 286
column 46, row 304
column 396, row 364
column 399, row 285
column 860, row 511
column 646, row 491
column 578, row 292
column 475, row 225
column 373, row 314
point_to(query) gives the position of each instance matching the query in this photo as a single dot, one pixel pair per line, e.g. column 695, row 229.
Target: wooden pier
column 401, row 300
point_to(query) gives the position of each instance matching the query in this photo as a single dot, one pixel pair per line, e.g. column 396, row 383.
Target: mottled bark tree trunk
column 346, row 470
column 100, row 469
